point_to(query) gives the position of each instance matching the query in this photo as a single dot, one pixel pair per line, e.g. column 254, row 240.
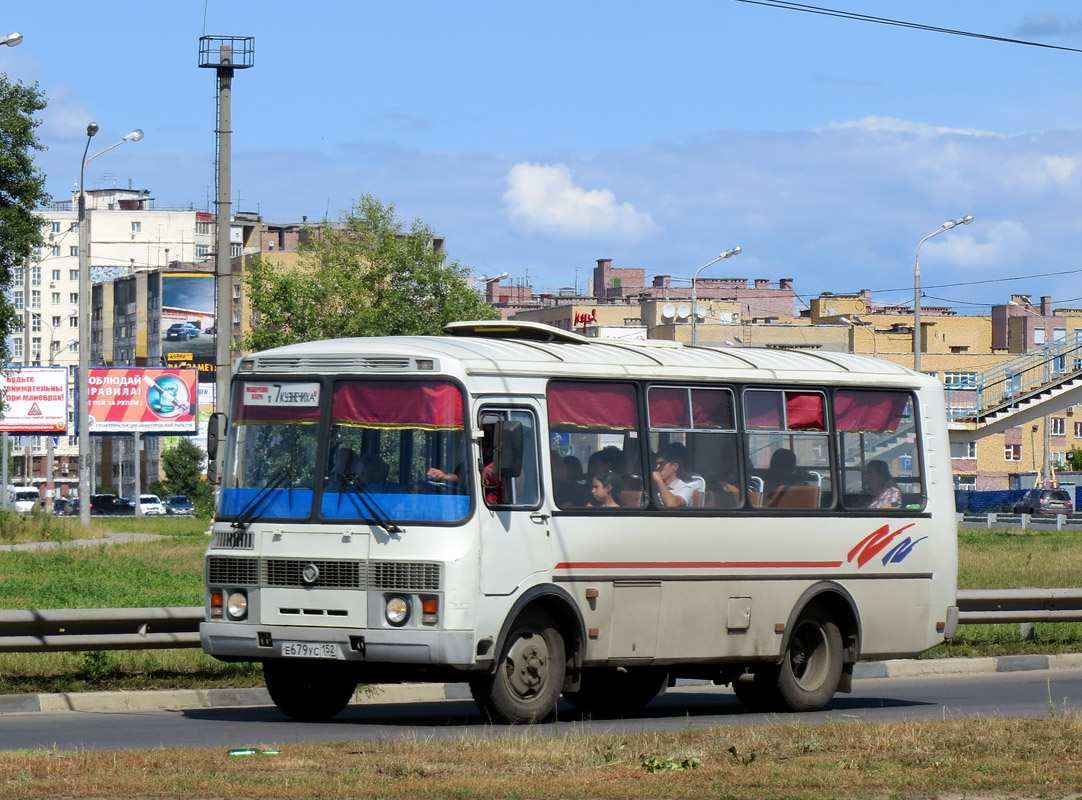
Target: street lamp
column 856, row 322
column 12, row 39
column 946, row 226
column 84, row 323
column 694, row 283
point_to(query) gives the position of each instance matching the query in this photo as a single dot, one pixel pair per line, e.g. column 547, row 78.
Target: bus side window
column 509, row 478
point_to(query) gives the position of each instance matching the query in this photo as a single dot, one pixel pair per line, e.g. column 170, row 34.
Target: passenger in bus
column 672, row 482
column 885, row 492
column 574, row 470
column 608, row 459
column 604, row 490
column 373, row 474
column 782, row 472
column 566, row 493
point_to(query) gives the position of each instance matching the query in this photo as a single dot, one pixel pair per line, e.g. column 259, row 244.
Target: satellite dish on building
column 668, row 311
column 684, row 311
column 700, row 311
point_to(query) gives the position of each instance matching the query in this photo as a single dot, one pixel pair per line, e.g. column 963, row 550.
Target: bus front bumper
column 250, row 642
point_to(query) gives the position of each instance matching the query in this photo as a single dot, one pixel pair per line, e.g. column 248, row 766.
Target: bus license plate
column 310, row 650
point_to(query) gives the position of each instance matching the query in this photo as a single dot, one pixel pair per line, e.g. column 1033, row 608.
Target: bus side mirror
column 216, row 426
column 507, row 448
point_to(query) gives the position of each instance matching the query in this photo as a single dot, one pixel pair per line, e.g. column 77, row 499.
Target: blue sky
column 540, row 137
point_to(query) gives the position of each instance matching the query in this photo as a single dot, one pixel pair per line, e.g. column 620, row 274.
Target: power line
column 852, row 15
column 977, row 283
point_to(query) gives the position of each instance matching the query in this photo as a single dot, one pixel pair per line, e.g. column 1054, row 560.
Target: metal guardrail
column 997, row 606
column 54, row 630
column 1040, row 521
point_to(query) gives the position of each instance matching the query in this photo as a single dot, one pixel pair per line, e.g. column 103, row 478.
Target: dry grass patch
column 984, row 758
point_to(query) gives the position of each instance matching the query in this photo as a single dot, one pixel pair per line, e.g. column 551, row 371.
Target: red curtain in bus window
column 410, row 404
column 804, row 411
column 668, row 407
column 591, row 405
column 712, row 408
column 869, row 411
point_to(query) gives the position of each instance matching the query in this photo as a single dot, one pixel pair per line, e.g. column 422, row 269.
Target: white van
column 24, row 498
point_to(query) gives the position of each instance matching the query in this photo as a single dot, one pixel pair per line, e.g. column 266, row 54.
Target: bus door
column 515, row 541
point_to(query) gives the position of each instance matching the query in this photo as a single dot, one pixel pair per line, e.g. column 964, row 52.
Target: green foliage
column 368, row 275
column 655, row 765
column 22, row 189
column 183, row 468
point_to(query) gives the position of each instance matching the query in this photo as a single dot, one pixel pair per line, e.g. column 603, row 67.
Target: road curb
column 186, row 699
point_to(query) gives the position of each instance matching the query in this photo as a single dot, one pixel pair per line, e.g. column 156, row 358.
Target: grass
column 989, row 758
column 169, row 572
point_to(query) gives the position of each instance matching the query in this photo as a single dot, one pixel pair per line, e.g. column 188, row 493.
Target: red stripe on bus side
column 695, row 564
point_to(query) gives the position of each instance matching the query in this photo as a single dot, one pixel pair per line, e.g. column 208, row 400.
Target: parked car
column 181, row 332
column 1045, row 501
column 62, row 506
column 179, row 504
column 111, row 504
column 151, row 505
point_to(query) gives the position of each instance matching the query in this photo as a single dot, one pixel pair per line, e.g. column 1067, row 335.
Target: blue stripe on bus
column 297, row 504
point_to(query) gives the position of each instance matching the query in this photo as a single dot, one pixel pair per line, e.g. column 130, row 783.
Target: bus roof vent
column 513, row 329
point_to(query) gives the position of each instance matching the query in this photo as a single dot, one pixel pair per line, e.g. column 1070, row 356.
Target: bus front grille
column 404, row 575
column 233, row 540
column 409, row 576
column 327, row 574
column 232, row 571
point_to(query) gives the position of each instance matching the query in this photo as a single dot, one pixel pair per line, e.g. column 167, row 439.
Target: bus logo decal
column 870, row 546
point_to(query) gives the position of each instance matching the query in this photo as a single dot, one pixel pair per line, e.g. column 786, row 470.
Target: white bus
column 24, row 498
column 434, row 509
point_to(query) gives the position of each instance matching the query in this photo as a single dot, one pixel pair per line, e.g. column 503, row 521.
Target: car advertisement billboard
column 143, row 400
column 35, row 400
column 188, row 328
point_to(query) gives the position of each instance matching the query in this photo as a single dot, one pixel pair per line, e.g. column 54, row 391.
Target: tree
column 367, row 275
column 22, row 189
column 183, row 468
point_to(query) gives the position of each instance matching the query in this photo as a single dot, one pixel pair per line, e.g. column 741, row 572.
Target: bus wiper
column 253, row 506
column 343, row 460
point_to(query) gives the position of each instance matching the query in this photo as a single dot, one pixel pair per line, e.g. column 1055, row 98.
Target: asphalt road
column 1024, row 694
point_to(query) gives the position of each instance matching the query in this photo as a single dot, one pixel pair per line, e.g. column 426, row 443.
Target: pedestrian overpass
column 1036, row 383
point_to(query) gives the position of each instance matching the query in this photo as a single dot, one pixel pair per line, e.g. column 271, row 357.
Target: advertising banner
column 35, row 400
column 187, row 322
column 143, row 400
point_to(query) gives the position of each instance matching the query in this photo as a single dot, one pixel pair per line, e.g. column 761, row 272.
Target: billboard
column 35, row 400
column 142, row 400
column 188, row 327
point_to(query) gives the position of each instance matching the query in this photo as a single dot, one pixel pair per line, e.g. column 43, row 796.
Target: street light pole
column 946, row 226
column 12, row 39
column 694, row 294
column 84, row 323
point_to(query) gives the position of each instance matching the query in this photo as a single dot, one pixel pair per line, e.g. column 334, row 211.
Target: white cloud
column 543, row 198
column 876, row 124
column 1003, row 242
column 1036, row 172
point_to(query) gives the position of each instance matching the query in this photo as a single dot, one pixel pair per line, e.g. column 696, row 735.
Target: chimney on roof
column 762, row 283
column 785, row 283
column 1046, row 306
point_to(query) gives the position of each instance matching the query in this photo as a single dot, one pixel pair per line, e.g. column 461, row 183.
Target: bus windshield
column 390, row 452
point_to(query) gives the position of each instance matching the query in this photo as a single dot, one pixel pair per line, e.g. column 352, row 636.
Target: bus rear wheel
column 808, row 675
column 612, row 693
column 306, row 691
column 529, row 676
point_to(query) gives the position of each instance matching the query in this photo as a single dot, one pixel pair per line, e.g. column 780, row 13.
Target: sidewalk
column 109, row 538
column 432, row 692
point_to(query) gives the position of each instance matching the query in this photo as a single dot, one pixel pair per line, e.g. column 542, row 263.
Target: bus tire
column 613, row 693
column 811, row 668
column 308, row 692
column 529, row 675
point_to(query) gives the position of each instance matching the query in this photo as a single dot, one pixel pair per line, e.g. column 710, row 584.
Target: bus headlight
column 237, row 605
column 397, row 611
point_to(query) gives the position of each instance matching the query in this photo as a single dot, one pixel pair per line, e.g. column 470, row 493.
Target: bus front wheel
column 529, row 676
column 307, row 691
